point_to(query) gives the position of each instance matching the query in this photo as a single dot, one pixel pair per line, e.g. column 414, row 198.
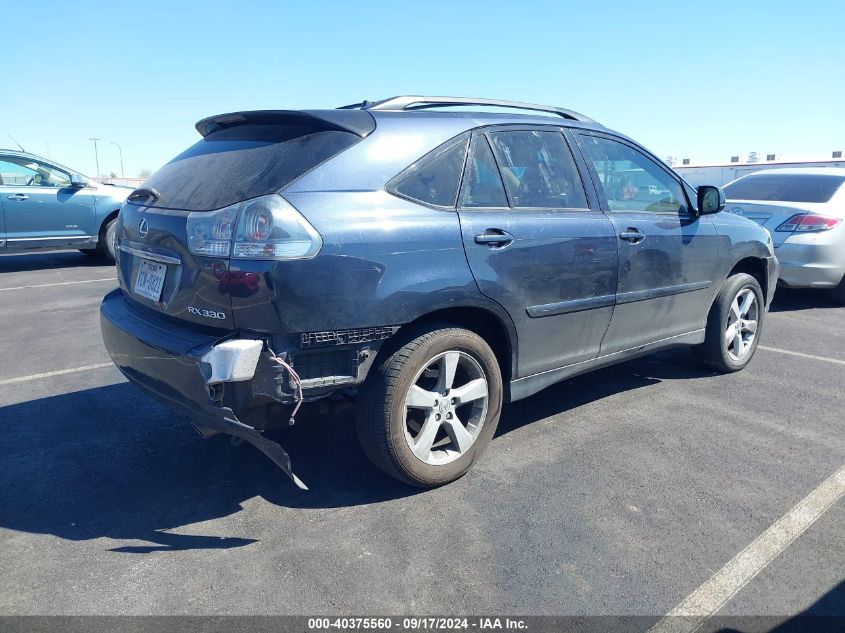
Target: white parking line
column 50, row 374
column 727, row 582
column 802, row 355
column 61, row 283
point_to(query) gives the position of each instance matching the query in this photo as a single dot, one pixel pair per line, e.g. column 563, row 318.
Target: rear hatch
column 158, row 273
column 241, row 156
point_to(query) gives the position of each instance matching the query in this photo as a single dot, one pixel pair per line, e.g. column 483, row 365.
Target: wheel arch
column 112, row 215
column 757, row 267
column 496, row 329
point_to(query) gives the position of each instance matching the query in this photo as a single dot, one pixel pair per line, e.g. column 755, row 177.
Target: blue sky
column 703, row 80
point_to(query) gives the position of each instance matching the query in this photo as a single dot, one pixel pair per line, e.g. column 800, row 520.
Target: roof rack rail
column 409, row 102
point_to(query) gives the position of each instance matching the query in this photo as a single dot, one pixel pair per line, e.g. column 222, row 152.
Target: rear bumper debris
column 188, row 372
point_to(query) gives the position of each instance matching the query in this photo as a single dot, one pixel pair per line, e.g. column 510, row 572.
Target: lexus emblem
column 143, row 228
column 737, row 211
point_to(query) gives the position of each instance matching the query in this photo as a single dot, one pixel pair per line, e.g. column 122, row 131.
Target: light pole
column 96, row 157
column 120, row 151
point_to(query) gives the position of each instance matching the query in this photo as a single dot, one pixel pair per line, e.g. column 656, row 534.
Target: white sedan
column 804, row 210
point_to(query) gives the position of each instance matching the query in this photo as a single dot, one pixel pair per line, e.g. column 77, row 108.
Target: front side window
column 631, row 181
column 785, row 187
column 24, row 172
column 436, row 177
column 482, row 183
column 538, row 170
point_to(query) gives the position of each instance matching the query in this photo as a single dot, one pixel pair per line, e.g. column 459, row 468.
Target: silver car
column 804, row 210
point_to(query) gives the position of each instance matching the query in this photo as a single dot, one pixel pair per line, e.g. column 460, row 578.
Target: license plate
column 150, row 279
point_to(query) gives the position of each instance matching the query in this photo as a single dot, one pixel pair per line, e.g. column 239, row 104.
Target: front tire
column 734, row 324
column 107, row 249
column 431, row 405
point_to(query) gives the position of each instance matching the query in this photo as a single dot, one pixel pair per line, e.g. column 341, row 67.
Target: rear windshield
column 241, row 162
column 786, row 188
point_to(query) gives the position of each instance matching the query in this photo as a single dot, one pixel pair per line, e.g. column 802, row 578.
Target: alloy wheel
column 742, row 324
column 445, row 407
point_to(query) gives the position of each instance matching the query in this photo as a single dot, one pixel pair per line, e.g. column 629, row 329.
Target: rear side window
column 244, row 161
column 435, row 178
column 482, row 183
column 538, row 170
column 785, row 187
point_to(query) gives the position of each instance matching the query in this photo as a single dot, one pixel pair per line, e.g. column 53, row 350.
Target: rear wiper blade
column 144, row 193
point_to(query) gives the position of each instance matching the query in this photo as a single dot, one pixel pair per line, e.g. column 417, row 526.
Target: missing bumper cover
column 228, row 423
column 346, row 337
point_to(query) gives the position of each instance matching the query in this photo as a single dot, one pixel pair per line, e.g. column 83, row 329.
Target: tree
column 144, row 173
column 752, row 157
column 670, row 160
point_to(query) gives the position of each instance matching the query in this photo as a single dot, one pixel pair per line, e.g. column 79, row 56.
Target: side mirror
column 77, row 181
column 710, row 200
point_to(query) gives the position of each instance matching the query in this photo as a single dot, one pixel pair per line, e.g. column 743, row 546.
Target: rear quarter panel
column 384, row 261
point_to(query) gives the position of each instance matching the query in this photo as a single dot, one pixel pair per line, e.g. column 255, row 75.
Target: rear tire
column 838, row 293
column 734, row 325
column 434, row 434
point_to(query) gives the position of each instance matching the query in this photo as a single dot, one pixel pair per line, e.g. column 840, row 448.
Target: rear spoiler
column 358, row 122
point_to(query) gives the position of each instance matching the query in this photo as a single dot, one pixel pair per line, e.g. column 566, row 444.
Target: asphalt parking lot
column 618, row 492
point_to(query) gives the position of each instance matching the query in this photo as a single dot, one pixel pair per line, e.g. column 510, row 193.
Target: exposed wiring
column 319, row 398
column 296, row 383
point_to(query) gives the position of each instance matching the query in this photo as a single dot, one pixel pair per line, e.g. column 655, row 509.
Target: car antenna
column 16, row 143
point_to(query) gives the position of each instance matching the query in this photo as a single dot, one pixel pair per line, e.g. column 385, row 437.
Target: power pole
column 96, row 157
column 120, row 151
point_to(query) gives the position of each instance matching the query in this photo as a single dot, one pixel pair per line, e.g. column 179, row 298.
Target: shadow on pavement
column 21, row 262
column 832, row 603
column 110, row 462
column 788, row 299
column 826, row 615
column 572, row 394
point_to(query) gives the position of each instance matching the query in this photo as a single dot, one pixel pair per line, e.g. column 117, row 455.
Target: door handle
column 632, row 235
column 20, row 197
column 494, row 238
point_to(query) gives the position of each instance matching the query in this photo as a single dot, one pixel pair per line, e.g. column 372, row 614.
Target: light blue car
column 44, row 205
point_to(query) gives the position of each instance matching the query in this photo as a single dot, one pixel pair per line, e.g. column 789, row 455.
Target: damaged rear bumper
column 189, row 370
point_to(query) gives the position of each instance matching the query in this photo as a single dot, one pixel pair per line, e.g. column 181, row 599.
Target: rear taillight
column 270, row 228
column 263, row 228
column 805, row 222
column 210, row 232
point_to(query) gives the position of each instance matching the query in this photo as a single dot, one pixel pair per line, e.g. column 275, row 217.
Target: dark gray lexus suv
column 424, row 257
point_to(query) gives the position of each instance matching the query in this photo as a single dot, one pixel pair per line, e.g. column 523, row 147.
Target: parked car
column 432, row 264
column 803, row 209
column 44, row 205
